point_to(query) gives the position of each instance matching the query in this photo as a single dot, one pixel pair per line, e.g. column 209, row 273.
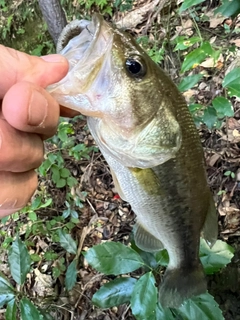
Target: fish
column 144, row 129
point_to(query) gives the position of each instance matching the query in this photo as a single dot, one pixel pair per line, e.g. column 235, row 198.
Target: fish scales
column 145, row 131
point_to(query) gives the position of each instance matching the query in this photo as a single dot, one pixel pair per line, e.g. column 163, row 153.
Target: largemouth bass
column 143, row 128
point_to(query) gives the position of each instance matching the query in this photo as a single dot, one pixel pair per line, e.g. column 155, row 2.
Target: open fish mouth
column 85, row 45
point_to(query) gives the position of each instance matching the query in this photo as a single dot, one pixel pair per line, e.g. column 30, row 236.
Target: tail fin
column 181, row 284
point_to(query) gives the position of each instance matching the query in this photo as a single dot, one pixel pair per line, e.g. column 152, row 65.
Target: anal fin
column 145, row 240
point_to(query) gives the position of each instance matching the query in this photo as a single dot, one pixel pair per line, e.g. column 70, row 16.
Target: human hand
column 28, row 115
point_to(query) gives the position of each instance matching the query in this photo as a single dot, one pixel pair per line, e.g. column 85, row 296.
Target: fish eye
column 135, row 67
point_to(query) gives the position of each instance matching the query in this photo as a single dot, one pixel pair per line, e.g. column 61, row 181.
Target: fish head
column 131, row 103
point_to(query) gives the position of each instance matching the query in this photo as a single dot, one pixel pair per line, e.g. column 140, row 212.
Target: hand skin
column 28, row 115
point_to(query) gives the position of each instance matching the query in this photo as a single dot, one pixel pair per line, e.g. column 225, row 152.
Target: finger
column 19, row 151
column 17, row 66
column 66, row 112
column 16, row 190
column 34, row 110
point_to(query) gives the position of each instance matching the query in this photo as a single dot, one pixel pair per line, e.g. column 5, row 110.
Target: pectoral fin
column 146, row 241
column 210, row 228
column 117, row 186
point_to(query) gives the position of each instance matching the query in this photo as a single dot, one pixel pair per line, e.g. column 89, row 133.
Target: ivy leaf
column 144, row 297
column 189, row 82
column 114, row 293
column 29, row 311
column 217, row 257
column 11, row 311
column 67, row 242
column 189, row 3
column 19, row 261
column 71, row 275
column 113, row 258
column 202, row 307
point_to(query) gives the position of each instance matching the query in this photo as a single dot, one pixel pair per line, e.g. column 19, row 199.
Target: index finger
column 17, row 66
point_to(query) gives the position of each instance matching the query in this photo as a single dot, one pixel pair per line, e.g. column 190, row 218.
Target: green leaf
column 67, row 242
column 71, row 275
column 182, row 43
column 215, row 258
column 223, row 107
column 11, row 312
column 64, row 173
column 144, row 297
column 162, row 258
column 61, row 183
column 229, row 8
column 189, row 82
column 202, row 307
column 232, row 82
column 5, row 298
column 209, row 117
column 164, row 313
column 195, row 57
column 71, row 181
column 189, row 3
column 195, row 107
column 5, row 286
column 113, row 258
column 114, row 293
column 32, row 216
column 19, row 261
column 29, row 311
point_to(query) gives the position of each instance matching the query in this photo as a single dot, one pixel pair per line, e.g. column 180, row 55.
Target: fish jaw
column 86, row 54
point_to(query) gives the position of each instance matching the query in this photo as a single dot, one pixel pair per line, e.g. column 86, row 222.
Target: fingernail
column 53, row 58
column 37, row 110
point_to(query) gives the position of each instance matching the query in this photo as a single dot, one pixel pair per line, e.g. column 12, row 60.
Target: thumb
column 16, row 66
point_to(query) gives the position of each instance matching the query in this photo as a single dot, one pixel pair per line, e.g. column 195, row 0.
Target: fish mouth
column 84, row 31
column 86, row 45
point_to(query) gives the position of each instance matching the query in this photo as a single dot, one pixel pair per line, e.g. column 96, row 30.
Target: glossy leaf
column 113, row 258
column 5, row 286
column 232, row 82
column 223, row 107
column 202, row 307
column 19, row 261
column 217, row 257
column 144, row 297
column 11, row 311
column 188, row 4
column 67, row 242
column 162, row 258
column 5, row 298
column 195, row 57
column 114, row 293
column 229, row 8
column 189, row 82
column 29, row 311
column 71, row 275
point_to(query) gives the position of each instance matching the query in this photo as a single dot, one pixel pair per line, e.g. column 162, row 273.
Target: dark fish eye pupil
column 135, row 68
